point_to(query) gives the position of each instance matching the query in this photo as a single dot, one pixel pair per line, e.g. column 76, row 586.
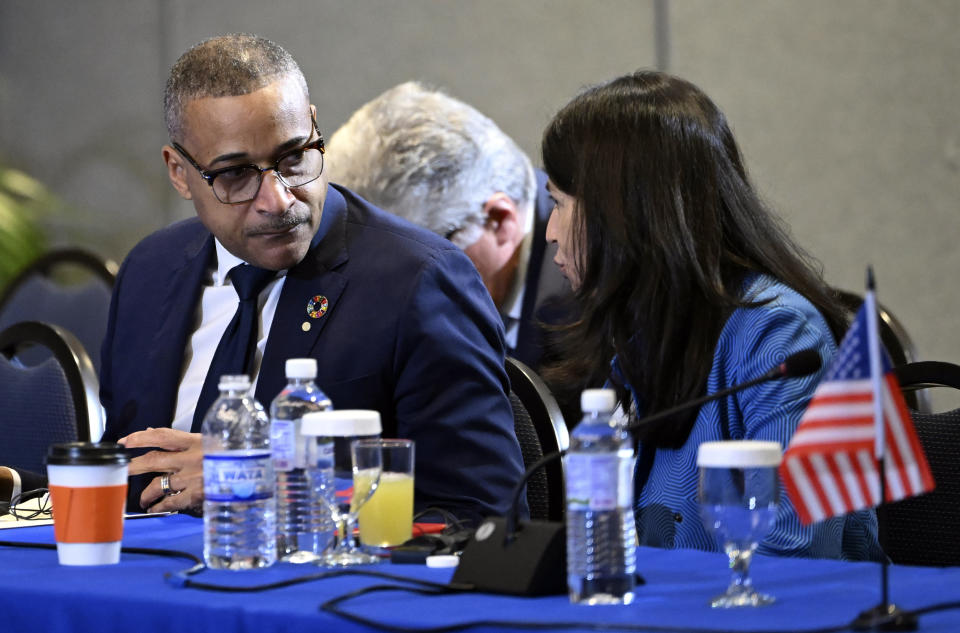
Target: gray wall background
column 847, row 112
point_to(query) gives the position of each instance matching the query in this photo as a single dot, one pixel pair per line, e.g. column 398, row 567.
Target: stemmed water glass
column 354, row 488
column 355, row 476
column 738, row 495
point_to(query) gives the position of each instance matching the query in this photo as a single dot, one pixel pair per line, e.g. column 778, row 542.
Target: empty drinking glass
column 738, row 494
column 356, row 474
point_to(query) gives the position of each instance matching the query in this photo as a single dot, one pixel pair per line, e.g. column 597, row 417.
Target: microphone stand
column 773, row 374
column 511, row 519
column 529, row 557
column 797, row 365
column 885, row 616
column 511, row 529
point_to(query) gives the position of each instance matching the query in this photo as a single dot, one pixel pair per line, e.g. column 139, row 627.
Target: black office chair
column 67, row 287
column 55, row 401
column 538, row 490
column 540, row 430
column 923, row 530
column 895, row 339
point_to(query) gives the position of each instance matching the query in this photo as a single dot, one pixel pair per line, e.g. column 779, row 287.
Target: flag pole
column 885, row 616
column 879, row 431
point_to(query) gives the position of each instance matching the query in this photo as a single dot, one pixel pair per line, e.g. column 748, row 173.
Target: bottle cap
column 341, row 423
column 739, row 454
column 228, row 381
column 302, row 368
column 598, row 400
column 443, row 560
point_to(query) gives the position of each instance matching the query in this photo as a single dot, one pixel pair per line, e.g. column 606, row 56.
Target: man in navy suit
column 440, row 163
column 397, row 318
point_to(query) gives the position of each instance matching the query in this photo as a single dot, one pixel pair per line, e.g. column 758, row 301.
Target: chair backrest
column 541, row 431
column 68, row 287
column 895, row 339
column 538, row 490
column 55, row 401
column 923, row 530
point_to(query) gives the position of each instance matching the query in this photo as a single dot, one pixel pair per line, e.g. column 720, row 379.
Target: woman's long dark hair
column 666, row 230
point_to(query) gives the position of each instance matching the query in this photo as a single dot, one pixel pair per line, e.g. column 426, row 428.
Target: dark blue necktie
column 238, row 343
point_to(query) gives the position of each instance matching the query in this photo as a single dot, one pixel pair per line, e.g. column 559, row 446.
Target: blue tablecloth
column 37, row 594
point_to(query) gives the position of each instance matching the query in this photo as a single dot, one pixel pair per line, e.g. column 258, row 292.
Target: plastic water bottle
column 601, row 534
column 239, row 511
column 305, row 490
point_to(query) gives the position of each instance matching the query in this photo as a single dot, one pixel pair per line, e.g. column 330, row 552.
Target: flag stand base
column 885, row 617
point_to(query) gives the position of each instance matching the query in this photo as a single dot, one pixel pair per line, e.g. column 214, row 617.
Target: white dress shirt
column 218, row 303
column 513, row 302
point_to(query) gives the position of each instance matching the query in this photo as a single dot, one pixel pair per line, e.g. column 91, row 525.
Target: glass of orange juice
column 386, row 519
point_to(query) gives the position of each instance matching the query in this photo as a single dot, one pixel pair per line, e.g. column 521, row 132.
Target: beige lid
column 341, row 423
column 739, row 454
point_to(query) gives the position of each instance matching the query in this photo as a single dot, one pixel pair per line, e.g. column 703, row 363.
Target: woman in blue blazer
column 687, row 284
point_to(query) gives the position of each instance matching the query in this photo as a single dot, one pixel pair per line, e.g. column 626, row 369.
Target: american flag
column 829, row 468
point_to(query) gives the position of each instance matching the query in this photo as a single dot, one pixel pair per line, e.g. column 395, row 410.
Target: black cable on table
column 334, row 606
column 428, row 588
column 149, row 551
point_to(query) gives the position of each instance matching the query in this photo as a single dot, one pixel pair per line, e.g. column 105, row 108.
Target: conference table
column 148, row 593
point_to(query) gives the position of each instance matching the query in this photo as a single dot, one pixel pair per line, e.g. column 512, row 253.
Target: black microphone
column 528, row 558
column 802, row 363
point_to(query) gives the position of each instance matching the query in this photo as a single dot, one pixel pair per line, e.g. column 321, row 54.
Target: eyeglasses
column 241, row 183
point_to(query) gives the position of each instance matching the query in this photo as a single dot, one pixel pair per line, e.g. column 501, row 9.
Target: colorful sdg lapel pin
column 316, row 308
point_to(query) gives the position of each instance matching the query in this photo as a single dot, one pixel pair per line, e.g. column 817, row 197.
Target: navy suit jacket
column 409, row 331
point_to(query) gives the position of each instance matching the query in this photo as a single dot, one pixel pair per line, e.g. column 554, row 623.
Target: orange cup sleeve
column 88, row 515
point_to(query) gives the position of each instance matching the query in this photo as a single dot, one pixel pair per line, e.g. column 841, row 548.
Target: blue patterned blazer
column 752, row 341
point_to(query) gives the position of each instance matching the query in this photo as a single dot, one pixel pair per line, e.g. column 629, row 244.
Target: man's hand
column 181, row 457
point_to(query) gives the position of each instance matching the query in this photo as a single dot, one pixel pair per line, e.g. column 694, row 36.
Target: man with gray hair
column 440, row 163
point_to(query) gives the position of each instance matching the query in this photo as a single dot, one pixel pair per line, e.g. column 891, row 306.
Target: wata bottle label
column 320, row 455
column 598, row 481
column 233, row 476
column 283, row 443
